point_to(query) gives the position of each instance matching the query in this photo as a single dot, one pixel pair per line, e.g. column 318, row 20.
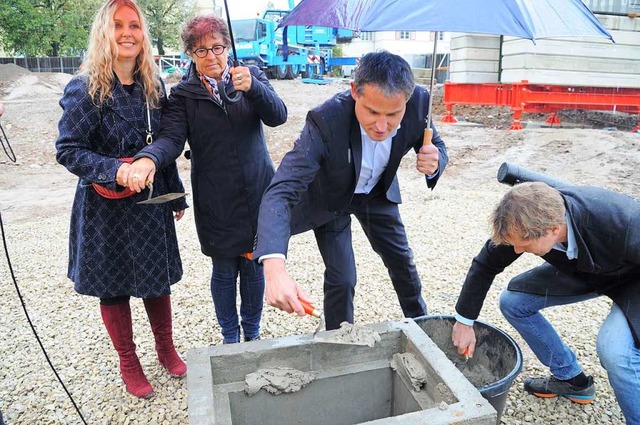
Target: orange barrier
column 540, row 98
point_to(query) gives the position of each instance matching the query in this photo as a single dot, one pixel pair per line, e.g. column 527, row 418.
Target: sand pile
column 17, row 82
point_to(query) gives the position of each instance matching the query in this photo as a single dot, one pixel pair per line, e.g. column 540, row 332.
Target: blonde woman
column 117, row 248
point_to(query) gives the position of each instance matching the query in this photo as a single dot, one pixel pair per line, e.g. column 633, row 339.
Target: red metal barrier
column 540, row 98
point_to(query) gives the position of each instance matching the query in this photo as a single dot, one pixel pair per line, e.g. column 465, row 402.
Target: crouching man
column 590, row 241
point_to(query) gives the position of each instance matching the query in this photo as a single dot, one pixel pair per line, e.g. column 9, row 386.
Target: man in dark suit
column 345, row 162
column 590, row 241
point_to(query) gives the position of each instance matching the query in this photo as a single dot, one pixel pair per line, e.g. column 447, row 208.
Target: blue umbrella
column 532, row 19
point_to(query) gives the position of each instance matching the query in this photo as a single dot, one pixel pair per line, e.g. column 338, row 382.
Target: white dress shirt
column 375, row 157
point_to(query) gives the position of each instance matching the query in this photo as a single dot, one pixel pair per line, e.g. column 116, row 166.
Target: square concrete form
column 354, row 384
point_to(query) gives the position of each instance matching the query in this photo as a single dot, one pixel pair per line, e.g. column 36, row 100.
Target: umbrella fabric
column 530, row 19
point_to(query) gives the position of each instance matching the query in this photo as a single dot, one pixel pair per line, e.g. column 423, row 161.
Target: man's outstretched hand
column 280, row 289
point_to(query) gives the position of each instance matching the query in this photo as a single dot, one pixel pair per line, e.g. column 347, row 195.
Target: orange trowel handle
column 309, row 308
column 428, row 135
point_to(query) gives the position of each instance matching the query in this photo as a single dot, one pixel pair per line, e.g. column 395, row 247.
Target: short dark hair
column 202, row 26
column 389, row 72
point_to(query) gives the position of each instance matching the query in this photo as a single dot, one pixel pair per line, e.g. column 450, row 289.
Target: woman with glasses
column 117, row 248
column 230, row 165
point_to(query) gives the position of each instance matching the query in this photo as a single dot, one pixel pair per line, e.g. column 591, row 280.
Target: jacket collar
column 192, row 87
column 130, row 107
column 585, row 259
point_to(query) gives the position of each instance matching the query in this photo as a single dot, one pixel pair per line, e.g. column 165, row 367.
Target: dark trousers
column 381, row 222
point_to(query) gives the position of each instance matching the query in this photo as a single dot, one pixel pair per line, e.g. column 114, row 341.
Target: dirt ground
column 591, row 149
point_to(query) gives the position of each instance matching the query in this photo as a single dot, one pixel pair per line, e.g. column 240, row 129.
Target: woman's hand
column 140, row 174
column 123, row 174
column 241, row 78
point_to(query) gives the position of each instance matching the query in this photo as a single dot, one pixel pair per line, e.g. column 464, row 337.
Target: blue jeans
column 223, row 290
column 621, row 358
column 616, row 348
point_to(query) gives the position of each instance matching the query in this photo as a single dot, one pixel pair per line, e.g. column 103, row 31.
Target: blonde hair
column 528, row 211
column 103, row 49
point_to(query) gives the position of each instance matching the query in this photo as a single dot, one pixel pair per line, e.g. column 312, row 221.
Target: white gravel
column 446, row 228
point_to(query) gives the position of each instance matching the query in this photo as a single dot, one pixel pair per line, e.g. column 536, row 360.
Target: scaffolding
column 540, row 98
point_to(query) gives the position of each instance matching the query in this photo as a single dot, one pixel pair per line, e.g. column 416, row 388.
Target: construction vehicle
column 307, row 52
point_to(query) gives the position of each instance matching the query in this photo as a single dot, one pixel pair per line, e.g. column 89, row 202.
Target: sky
column 243, row 9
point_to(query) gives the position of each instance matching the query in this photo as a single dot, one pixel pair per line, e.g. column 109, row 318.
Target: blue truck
column 307, row 52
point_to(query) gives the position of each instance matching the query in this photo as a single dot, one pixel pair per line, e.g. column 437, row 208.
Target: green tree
column 61, row 27
column 165, row 19
column 45, row 27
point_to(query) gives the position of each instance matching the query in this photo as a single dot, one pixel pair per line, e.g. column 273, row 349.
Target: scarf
column 212, row 85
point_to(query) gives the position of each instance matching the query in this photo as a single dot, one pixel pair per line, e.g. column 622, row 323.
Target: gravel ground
column 446, row 228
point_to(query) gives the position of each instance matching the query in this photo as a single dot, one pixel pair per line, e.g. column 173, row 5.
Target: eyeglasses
column 218, row 49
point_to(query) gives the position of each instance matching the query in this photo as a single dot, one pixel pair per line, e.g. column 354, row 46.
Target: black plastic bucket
column 496, row 352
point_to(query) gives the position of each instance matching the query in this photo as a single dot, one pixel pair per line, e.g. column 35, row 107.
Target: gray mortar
column 354, row 384
column 481, row 369
column 350, row 334
column 277, row 380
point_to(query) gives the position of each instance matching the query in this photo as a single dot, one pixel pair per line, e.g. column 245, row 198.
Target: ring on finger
column 135, row 176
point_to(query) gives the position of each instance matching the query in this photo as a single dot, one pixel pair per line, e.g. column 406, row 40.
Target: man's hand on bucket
column 464, row 338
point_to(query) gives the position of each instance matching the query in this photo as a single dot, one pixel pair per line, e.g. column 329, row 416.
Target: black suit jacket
column 607, row 231
column 318, row 177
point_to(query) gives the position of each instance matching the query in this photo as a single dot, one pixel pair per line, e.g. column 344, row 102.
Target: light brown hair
column 528, row 211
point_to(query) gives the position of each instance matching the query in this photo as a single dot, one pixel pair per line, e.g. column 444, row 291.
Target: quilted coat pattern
column 116, row 247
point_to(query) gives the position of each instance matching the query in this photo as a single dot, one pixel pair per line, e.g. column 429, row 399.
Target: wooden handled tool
column 428, row 135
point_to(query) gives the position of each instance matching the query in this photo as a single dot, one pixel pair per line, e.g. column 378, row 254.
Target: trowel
column 311, row 310
column 465, row 355
column 160, row 199
column 348, row 334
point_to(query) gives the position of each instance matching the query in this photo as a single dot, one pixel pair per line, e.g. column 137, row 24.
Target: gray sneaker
column 549, row 386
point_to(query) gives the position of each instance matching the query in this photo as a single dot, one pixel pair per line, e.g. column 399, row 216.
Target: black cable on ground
column 24, row 307
column 4, row 140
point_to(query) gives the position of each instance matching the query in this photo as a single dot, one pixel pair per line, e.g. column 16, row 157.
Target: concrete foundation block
column 352, row 384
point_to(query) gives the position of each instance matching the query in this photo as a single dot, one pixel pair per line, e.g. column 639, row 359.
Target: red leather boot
column 117, row 320
column 159, row 312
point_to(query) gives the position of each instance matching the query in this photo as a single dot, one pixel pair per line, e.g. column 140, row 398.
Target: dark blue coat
column 116, row 247
column 318, row 177
column 230, row 164
column 606, row 226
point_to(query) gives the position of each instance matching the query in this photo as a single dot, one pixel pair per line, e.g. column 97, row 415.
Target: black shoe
column 247, row 339
column 549, row 386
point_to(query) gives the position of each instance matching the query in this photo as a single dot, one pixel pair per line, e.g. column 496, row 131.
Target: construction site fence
column 67, row 64
column 71, row 64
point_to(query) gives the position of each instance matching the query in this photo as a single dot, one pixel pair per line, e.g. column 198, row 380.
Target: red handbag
column 115, row 194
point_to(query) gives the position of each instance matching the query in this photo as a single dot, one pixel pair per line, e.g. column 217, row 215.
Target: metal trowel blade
column 321, row 325
column 162, row 198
